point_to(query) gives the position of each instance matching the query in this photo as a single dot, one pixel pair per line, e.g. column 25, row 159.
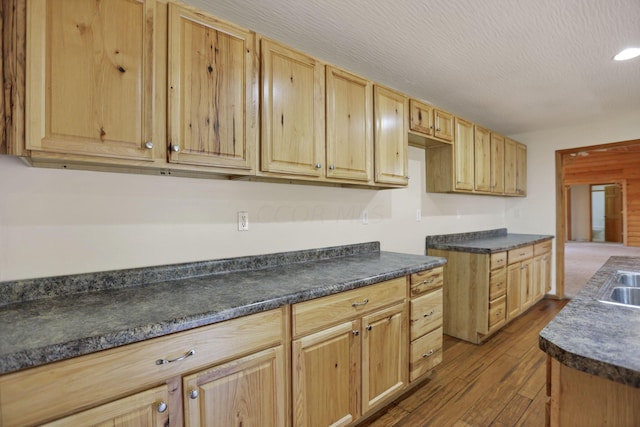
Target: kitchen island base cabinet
column 581, row 399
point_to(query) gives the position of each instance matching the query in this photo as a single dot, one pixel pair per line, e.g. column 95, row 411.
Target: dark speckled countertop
column 51, row 319
column 595, row 337
column 484, row 242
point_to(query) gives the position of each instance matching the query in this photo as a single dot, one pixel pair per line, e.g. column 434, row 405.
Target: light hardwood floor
column 499, row 383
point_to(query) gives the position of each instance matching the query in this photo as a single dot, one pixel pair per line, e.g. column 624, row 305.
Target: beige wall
column 580, row 202
column 56, row 222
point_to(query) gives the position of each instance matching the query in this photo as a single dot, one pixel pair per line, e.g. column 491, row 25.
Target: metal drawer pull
column 428, row 353
column 358, row 304
column 429, row 313
column 193, row 394
column 428, row 281
column 184, row 356
column 161, row 407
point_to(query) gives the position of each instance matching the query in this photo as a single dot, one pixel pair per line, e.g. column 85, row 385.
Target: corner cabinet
column 213, row 92
column 229, row 373
column 90, row 78
column 515, row 168
column 390, row 136
column 292, row 141
column 349, row 353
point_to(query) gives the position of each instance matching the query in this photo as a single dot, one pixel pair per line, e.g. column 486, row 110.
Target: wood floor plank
column 502, row 381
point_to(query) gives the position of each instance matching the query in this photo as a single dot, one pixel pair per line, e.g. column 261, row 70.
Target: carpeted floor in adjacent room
column 583, row 259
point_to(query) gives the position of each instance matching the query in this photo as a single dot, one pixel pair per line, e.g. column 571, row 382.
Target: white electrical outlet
column 243, row 221
column 365, row 217
column 418, row 215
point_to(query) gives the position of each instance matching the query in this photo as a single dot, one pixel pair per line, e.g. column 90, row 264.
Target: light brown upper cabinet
column 349, row 142
column 497, row 163
column 90, row 78
column 430, row 122
column 463, row 154
column 515, row 168
column 292, row 112
column 213, row 92
column 482, row 146
column 390, row 137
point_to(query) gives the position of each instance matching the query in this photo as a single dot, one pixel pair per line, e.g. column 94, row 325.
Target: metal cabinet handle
column 148, row 145
column 318, row 165
column 161, row 407
column 358, row 304
column 332, row 167
column 175, row 148
column 429, row 313
column 369, row 327
column 184, row 356
column 427, row 281
column 356, row 332
column 428, row 353
column 193, row 394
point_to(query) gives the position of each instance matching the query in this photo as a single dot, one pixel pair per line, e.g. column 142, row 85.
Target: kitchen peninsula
column 491, row 277
column 162, row 341
column 593, row 376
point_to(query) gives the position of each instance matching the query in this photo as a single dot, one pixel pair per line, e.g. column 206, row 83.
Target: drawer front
column 498, row 260
column 520, row 254
column 542, row 248
column 497, row 312
column 321, row 312
column 425, row 281
column 426, row 353
column 497, row 284
column 26, row 397
column 426, row 313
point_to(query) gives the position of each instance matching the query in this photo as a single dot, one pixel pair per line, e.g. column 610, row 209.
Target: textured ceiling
column 511, row 65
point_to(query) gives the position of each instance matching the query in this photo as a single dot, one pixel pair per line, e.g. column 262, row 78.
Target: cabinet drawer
column 497, row 312
column 26, row 397
column 426, row 352
column 497, row 284
column 325, row 311
column 520, row 254
column 426, row 313
column 541, row 248
column 424, row 281
column 498, row 260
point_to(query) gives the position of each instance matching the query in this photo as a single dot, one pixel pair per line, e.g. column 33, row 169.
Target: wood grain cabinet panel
column 292, row 112
column 91, row 78
column 426, row 353
column 510, row 166
column 349, row 142
column 444, row 125
column 426, row 313
column 212, row 91
column 463, row 153
column 497, row 163
column 482, row 162
column 390, row 136
column 421, row 117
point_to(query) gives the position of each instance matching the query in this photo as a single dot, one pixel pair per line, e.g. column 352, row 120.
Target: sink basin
column 627, row 296
column 628, row 278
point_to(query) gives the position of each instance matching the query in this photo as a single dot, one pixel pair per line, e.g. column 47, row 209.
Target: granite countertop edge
column 582, row 335
column 484, row 242
column 68, row 348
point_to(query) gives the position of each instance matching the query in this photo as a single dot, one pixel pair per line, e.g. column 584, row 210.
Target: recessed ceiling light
column 629, row 53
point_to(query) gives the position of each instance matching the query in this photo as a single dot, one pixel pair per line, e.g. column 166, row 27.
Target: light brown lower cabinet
column 577, row 398
column 356, row 356
column 237, row 365
column 329, row 361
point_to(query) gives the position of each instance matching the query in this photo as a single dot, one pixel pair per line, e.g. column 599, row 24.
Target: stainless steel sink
column 622, row 288
column 628, row 278
column 627, row 296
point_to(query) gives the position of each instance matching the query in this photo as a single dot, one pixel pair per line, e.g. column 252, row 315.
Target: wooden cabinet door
column 326, row 376
column 482, row 146
column 497, row 163
column 510, row 165
column 463, row 155
column 513, row 290
column 421, row 117
column 521, row 169
column 443, row 123
column 90, row 78
column 390, row 138
column 292, row 112
column 541, row 275
column 349, row 126
column 385, row 357
column 212, row 91
column 246, row 392
column 146, row 409
column 526, row 285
